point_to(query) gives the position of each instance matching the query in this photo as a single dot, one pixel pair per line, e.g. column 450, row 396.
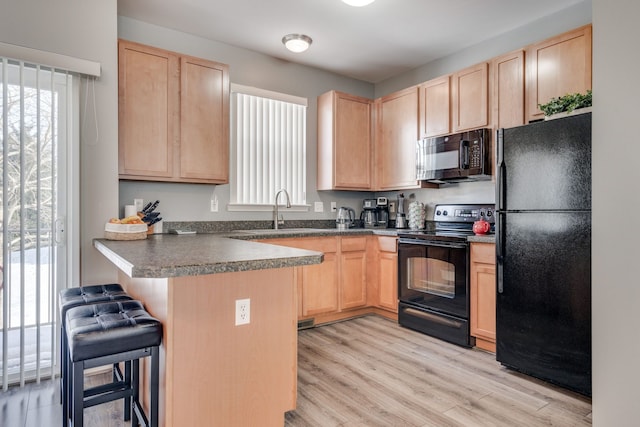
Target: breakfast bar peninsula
column 214, row 372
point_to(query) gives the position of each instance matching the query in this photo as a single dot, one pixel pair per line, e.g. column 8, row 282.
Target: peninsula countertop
column 168, row 255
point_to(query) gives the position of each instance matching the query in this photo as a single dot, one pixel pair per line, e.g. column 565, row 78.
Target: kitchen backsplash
column 191, row 202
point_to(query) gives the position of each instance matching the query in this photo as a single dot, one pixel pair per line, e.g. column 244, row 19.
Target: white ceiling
column 370, row 43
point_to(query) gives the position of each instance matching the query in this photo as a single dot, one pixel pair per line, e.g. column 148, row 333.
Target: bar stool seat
column 107, row 333
column 74, row 297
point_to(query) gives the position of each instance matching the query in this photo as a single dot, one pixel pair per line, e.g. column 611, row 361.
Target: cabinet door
column 344, row 142
column 320, row 286
column 470, row 98
column 508, row 90
column 396, row 136
column 556, row 67
column 483, row 295
column 353, row 273
column 147, row 111
column 317, row 284
column 388, row 274
column 204, row 121
column 435, row 102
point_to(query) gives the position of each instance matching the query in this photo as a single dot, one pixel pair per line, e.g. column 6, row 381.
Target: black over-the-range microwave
column 454, row 158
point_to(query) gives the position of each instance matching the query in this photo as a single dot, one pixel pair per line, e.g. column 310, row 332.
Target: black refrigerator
column 543, row 248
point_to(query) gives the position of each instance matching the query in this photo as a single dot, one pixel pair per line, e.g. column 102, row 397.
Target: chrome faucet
column 276, row 221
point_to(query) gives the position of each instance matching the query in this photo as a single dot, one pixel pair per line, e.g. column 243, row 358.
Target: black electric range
column 433, row 273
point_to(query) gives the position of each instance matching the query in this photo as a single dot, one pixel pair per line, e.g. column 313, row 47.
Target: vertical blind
column 270, row 150
column 33, row 127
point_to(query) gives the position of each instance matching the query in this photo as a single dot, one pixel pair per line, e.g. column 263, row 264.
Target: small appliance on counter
column 375, row 213
column 401, row 217
column 346, row 218
column 382, row 212
column 369, row 216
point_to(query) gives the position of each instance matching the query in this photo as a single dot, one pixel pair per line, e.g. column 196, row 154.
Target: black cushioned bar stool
column 107, row 333
column 74, row 297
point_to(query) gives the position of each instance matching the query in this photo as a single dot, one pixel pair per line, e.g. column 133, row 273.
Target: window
column 268, row 148
column 38, row 154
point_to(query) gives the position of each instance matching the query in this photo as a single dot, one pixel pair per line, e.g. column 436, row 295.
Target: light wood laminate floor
column 369, row 372
column 372, row 372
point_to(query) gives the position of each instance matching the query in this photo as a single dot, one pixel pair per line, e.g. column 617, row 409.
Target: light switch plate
column 333, row 206
column 318, row 207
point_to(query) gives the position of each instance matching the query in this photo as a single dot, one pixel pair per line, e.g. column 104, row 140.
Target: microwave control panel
column 475, row 154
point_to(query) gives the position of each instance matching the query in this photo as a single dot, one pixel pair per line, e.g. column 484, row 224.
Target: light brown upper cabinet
column 435, row 102
column 508, row 90
column 344, row 142
column 556, row 67
column 470, row 98
column 173, row 116
column 395, row 143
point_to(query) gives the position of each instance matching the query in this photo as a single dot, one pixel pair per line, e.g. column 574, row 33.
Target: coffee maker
column 369, row 215
column 382, row 212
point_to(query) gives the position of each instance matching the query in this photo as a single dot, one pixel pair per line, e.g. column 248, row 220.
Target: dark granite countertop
column 482, row 238
column 170, row 255
column 164, row 255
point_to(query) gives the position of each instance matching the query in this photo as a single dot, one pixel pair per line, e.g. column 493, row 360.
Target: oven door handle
column 432, row 243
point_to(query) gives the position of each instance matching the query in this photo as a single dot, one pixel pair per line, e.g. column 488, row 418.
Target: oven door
column 434, row 275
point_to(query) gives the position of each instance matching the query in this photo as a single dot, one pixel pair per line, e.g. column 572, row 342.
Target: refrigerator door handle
column 500, row 236
column 502, row 174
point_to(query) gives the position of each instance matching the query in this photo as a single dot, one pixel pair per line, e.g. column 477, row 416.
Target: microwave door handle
column 464, row 154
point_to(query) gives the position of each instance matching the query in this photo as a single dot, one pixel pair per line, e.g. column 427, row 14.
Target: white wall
column 84, row 29
column 616, row 236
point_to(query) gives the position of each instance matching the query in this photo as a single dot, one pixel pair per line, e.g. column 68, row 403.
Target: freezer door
column 543, row 322
column 545, row 165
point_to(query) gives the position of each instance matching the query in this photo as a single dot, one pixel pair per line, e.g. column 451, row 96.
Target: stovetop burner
column 453, row 222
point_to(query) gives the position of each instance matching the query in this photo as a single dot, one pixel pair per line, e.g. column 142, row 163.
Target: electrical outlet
column 392, row 207
column 139, row 203
column 214, row 204
column 319, row 207
column 243, row 311
column 333, row 207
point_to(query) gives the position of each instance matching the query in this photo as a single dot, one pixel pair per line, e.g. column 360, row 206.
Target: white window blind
column 38, row 128
column 270, row 149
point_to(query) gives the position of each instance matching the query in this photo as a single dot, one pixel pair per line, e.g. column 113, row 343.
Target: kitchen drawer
column 353, row 244
column 483, row 252
column 388, row 244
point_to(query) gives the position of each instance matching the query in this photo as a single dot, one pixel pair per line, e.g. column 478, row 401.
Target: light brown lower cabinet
column 483, row 295
column 353, row 272
column 387, row 266
column 358, row 276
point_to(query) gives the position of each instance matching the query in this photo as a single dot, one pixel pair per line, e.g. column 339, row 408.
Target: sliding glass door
column 36, row 121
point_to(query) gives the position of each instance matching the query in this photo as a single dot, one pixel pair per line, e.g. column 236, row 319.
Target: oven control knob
column 438, row 213
column 489, row 212
column 445, row 213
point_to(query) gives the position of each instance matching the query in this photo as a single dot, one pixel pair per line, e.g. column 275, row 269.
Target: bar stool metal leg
column 77, row 411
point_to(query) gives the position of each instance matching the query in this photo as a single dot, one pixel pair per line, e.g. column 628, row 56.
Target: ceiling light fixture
column 358, row 3
column 297, row 42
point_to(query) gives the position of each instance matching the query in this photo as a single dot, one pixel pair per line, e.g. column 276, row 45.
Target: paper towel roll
column 130, row 210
